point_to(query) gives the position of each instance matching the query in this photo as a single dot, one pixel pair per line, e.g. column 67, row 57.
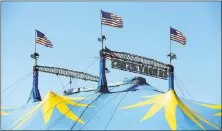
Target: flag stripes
column 177, row 36
column 42, row 39
column 111, row 19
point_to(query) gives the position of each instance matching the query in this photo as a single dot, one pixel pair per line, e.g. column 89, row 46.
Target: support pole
column 171, row 77
column 102, row 83
column 35, row 89
column 35, row 94
column 171, row 68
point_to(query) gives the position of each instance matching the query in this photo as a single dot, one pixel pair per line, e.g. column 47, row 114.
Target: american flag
column 42, row 39
column 177, row 36
column 111, row 20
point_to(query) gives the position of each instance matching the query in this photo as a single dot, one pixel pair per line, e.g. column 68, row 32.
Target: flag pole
column 35, row 49
column 170, row 46
column 101, row 27
column 170, row 52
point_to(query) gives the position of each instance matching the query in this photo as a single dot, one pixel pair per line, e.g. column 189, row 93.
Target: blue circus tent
column 132, row 106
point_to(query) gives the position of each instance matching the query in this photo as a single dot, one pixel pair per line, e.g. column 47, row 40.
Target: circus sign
column 149, row 70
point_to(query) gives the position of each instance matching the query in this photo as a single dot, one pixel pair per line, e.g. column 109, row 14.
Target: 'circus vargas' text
column 149, row 70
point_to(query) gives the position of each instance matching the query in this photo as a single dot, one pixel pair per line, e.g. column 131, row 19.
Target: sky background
column 73, row 28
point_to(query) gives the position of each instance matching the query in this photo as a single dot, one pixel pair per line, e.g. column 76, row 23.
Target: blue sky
column 74, row 27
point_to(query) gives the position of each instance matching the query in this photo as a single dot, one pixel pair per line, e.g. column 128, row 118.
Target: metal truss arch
column 68, row 73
